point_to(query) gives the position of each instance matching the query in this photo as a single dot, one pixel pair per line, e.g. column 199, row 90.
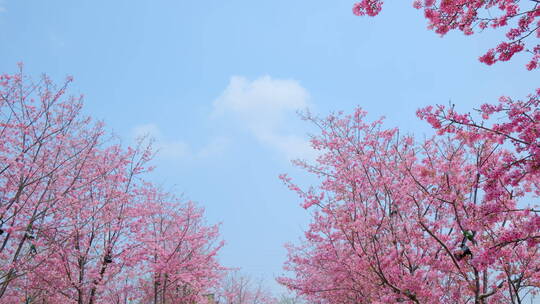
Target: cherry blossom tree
column 78, row 221
column 178, row 249
column 450, row 219
column 290, row 298
column 93, row 244
column 441, row 220
column 45, row 145
column 518, row 125
column 520, row 19
column 237, row 288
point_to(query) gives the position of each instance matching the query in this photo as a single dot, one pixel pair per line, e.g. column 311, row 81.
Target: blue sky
column 217, row 83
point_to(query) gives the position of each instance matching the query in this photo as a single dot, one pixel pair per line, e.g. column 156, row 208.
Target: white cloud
column 177, row 149
column 263, row 106
column 215, row 147
column 293, row 146
column 165, row 147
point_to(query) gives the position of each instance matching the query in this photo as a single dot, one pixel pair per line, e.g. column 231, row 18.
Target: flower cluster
column 442, row 220
column 468, row 16
column 78, row 221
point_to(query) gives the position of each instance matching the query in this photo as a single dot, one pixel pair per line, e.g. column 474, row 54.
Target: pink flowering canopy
column 454, row 218
column 520, row 20
column 449, row 219
column 236, row 288
column 78, row 221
